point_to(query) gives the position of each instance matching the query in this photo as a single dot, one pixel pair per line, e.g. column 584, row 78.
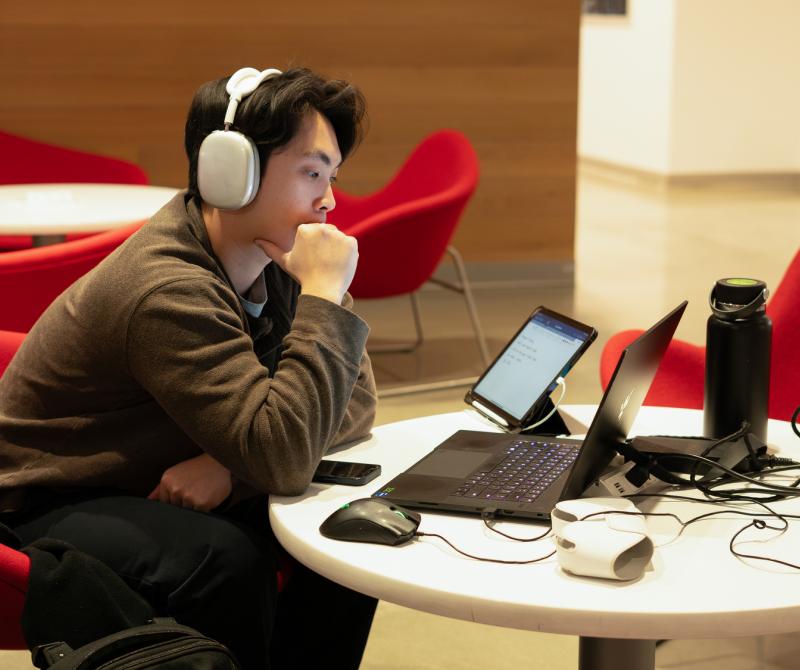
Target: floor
column 640, row 250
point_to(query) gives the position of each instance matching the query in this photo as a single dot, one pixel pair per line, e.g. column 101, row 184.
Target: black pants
column 214, row 573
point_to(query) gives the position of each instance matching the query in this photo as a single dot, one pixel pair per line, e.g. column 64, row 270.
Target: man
column 210, row 360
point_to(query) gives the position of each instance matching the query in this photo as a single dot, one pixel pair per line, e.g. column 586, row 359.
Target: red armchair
column 404, row 229
column 14, row 565
column 9, row 343
column 24, row 161
column 14, row 571
column 680, row 379
column 31, row 279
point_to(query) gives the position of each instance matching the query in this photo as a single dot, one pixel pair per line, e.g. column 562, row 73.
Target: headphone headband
column 241, row 84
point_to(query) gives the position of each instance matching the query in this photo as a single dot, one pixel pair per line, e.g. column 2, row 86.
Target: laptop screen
column 530, row 363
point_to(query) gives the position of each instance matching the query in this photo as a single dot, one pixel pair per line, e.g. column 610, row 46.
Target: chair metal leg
column 463, row 287
column 404, row 348
column 473, row 312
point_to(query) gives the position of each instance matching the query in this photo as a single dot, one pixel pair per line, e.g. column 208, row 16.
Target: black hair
column 271, row 115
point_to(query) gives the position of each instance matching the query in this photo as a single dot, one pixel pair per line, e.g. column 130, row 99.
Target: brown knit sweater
column 150, row 360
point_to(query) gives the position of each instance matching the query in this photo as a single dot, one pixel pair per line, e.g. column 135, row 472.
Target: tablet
column 515, row 387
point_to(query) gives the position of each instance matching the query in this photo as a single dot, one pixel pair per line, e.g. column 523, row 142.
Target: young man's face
column 296, row 185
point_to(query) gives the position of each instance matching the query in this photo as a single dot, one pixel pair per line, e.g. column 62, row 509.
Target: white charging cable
column 563, row 384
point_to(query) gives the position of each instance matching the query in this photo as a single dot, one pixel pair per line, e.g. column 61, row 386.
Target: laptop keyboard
column 526, row 472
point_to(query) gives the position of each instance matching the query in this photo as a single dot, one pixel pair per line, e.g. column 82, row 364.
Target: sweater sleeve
column 360, row 414
column 186, row 345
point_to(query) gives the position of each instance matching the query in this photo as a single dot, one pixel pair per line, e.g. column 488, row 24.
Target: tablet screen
column 530, row 363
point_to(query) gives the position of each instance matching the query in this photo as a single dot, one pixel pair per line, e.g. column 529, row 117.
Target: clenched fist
column 200, row 483
column 323, row 260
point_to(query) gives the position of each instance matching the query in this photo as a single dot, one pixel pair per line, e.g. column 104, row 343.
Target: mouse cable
column 563, row 384
column 488, row 516
column 483, row 558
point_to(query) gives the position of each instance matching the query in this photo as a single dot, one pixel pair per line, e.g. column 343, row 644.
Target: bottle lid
column 739, row 290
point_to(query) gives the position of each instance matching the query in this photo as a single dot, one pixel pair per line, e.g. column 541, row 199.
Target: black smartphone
column 516, row 385
column 342, row 472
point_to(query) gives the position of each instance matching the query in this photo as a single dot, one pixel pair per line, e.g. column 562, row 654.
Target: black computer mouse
column 371, row 520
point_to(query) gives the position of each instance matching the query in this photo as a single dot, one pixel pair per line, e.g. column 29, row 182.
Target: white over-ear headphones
column 228, row 169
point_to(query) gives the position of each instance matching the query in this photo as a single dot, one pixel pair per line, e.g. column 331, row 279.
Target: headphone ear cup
column 228, row 170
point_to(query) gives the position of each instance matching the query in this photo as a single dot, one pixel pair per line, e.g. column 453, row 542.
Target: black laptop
column 498, row 474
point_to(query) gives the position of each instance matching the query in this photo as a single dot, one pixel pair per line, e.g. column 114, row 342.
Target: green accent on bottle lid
column 742, row 282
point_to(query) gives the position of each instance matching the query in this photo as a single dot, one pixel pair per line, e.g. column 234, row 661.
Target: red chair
column 9, row 343
column 404, row 229
column 14, row 565
column 24, row 161
column 680, row 379
column 31, row 279
column 14, row 571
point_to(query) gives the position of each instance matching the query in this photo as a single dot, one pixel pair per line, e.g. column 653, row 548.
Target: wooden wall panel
column 118, row 78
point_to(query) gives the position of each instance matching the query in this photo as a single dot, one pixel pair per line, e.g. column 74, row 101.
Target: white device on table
column 606, row 545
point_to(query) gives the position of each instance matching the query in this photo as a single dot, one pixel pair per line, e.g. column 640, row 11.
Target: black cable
column 488, row 516
column 481, row 558
column 761, row 525
column 672, row 496
column 487, row 519
column 728, row 438
column 692, row 481
column 755, row 523
column 794, row 421
column 776, row 463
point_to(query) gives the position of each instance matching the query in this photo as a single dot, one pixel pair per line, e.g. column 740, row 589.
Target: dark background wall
column 117, row 78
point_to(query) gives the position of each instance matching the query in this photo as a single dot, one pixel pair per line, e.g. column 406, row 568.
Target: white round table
column 50, row 211
column 694, row 588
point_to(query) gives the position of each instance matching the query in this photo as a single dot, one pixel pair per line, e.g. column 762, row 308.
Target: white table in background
column 49, row 212
column 695, row 587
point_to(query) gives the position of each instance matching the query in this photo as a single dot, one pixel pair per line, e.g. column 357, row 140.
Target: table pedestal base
column 599, row 653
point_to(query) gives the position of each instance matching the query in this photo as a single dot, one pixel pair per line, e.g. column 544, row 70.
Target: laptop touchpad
column 449, row 463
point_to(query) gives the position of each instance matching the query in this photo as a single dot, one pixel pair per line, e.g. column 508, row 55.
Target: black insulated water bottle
column 738, row 343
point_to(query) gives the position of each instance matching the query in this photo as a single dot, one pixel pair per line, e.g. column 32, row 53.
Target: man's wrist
column 323, row 292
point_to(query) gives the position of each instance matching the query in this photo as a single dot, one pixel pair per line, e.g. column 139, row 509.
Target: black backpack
column 161, row 644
